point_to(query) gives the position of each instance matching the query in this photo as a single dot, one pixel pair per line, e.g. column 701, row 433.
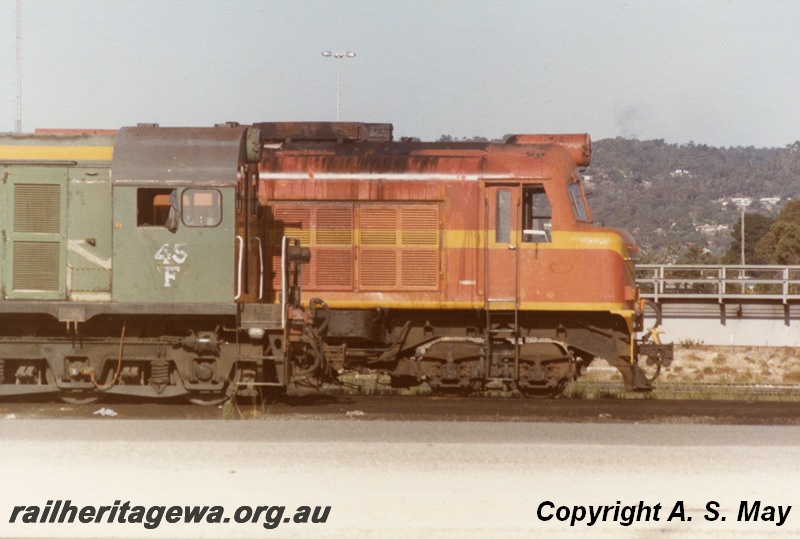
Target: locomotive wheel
column 73, row 396
column 207, row 398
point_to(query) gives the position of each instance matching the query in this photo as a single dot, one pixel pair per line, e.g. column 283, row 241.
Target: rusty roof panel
column 325, row 131
column 402, row 165
column 524, row 156
column 578, row 146
column 149, row 154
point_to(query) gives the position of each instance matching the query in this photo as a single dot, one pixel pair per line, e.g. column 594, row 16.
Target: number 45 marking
column 171, row 258
column 175, row 255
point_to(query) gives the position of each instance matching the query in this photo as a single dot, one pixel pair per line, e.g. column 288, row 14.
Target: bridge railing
column 708, row 282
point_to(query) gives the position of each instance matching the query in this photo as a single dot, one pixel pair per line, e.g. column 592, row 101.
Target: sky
column 716, row 72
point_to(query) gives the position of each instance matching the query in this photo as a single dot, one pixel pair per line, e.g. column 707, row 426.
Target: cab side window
column 578, row 203
column 157, row 208
column 536, row 215
column 503, row 216
column 201, row 207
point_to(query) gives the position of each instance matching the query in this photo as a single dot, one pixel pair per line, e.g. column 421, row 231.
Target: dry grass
column 726, row 368
column 721, row 364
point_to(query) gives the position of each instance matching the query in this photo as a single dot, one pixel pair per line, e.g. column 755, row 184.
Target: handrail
column 284, row 280
column 261, row 267
column 239, row 275
column 720, row 282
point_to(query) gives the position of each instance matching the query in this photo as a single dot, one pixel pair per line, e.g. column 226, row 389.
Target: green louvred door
column 36, row 205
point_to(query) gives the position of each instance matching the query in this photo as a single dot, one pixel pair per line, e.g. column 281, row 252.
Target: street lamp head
column 338, row 56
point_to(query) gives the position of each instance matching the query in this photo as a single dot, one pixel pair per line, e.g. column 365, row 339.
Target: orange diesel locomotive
column 462, row 265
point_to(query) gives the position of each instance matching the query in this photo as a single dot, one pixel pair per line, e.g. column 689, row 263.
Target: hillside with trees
column 672, row 197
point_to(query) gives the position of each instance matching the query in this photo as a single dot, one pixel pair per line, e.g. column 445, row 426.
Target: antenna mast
column 19, row 70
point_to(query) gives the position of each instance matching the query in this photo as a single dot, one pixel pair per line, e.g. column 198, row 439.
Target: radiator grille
column 378, row 269
column 412, row 233
column 378, row 226
column 334, row 268
column 335, row 225
column 36, row 265
column 420, row 268
column 420, row 226
column 37, row 208
column 374, row 246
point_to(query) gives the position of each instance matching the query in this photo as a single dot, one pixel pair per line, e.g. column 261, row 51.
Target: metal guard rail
column 721, row 283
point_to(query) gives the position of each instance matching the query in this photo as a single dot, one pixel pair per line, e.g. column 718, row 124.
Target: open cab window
column 536, row 215
column 157, row 207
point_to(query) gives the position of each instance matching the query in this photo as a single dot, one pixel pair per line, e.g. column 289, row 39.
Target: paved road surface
column 448, row 479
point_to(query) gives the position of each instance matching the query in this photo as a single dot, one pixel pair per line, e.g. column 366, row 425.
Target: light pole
column 743, row 203
column 338, row 56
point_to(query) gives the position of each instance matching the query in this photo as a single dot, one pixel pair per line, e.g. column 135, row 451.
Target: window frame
column 533, row 214
column 503, row 217
column 146, row 198
column 187, row 208
column 577, row 200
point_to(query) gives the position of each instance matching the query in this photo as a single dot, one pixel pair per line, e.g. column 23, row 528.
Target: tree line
column 664, row 194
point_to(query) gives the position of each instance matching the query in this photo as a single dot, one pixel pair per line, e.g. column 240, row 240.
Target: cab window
column 157, row 208
column 536, row 215
column 578, row 202
column 503, row 217
column 201, row 207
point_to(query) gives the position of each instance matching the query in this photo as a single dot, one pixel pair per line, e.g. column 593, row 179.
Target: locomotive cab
column 128, row 269
column 178, row 237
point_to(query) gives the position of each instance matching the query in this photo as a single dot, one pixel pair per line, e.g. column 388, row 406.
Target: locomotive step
column 503, row 332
